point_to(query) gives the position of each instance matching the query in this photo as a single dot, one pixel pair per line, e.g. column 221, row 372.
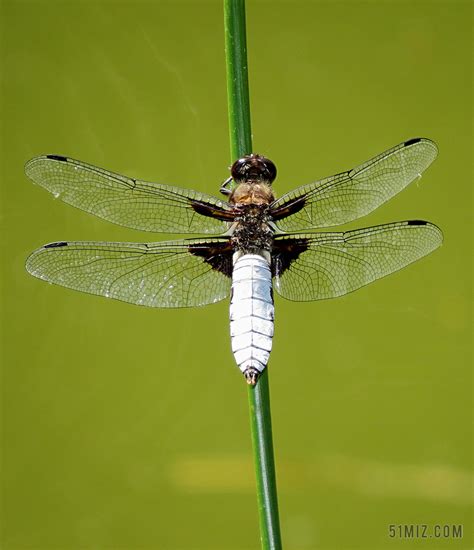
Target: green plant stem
column 237, row 79
column 258, row 395
column 262, row 442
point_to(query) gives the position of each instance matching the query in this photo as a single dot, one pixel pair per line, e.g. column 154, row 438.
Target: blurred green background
column 126, row 427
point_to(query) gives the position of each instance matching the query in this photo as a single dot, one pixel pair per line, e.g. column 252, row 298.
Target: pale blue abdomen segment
column 251, row 312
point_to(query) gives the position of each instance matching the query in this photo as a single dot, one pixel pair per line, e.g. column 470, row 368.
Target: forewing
column 165, row 274
column 129, row 202
column 347, row 196
column 326, row 265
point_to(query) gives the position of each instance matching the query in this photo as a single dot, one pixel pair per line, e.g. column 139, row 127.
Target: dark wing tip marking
column 416, row 222
column 423, row 141
column 412, row 141
column 55, row 245
column 57, row 157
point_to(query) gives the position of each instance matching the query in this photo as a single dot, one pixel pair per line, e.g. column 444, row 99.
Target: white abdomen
column 251, row 314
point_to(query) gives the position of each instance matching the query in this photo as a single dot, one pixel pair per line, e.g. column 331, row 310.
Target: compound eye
column 238, row 170
column 270, row 170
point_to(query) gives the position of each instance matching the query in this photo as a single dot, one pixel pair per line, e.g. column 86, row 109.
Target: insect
column 254, row 247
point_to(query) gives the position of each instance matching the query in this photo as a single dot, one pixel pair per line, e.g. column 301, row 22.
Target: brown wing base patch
column 285, row 252
column 212, row 211
column 289, row 208
column 217, row 254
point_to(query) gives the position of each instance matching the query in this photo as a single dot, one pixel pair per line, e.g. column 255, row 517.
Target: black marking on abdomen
column 217, row 255
column 57, row 157
column 411, row 141
column 55, row 245
column 285, row 252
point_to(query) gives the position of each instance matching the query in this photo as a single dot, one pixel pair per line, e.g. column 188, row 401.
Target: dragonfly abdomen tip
column 251, row 375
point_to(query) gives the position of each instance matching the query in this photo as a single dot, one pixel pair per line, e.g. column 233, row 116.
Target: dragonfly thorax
column 252, row 233
column 252, row 193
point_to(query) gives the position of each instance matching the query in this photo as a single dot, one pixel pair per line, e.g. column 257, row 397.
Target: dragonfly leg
column 225, row 187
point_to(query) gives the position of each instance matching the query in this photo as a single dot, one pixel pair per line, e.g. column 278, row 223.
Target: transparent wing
column 129, row 202
column 347, row 196
column 326, row 265
column 167, row 274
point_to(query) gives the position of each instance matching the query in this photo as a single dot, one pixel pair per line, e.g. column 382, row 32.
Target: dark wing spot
column 211, row 211
column 411, row 141
column 285, row 252
column 57, row 157
column 55, row 245
column 417, row 222
column 217, row 254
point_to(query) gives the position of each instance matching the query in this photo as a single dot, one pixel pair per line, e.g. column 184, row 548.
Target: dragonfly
column 252, row 240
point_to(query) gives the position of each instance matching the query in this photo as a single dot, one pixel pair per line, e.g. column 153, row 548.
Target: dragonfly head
column 253, row 168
